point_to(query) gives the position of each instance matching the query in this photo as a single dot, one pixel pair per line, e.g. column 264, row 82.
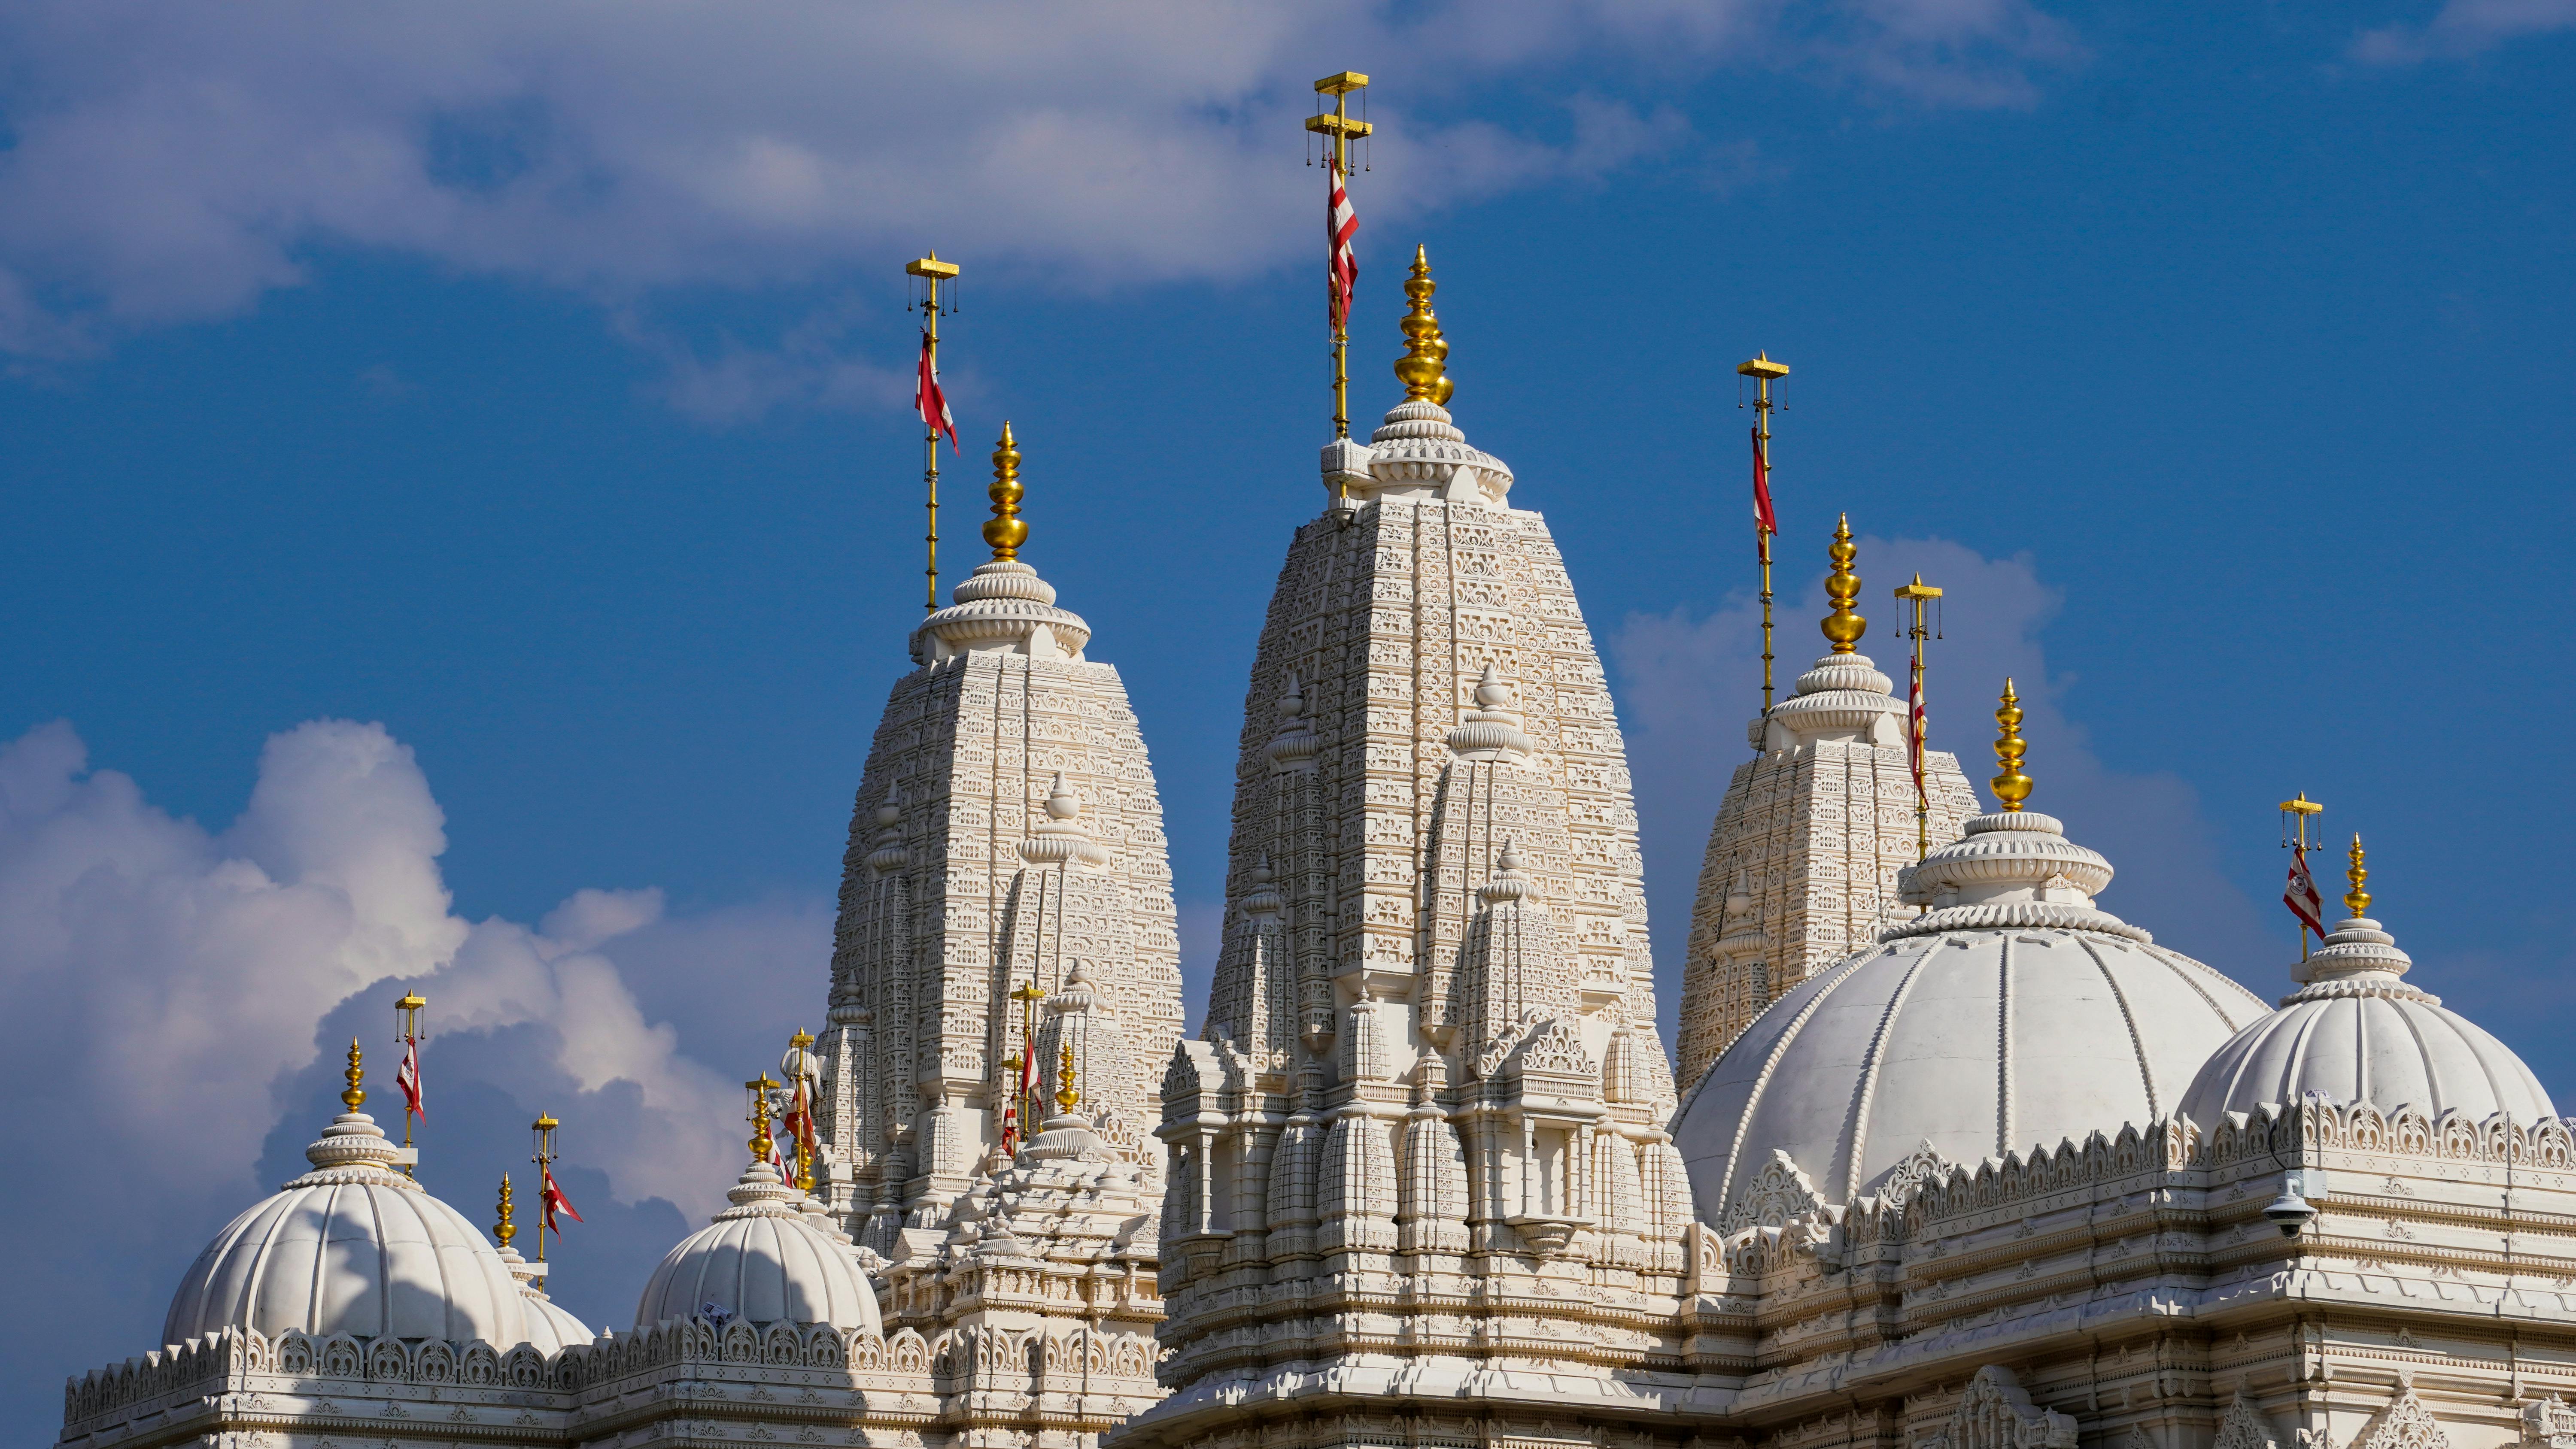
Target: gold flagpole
column 1028, row 996
column 407, row 1026
column 932, row 272
column 1915, row 595
column 1339, row 130
column 2300, row 807
column 1763, row 371
column 544, row 1128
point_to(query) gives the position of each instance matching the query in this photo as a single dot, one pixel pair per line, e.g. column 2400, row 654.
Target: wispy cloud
column 171, row 163
column 170, row 997
column 2463, row 28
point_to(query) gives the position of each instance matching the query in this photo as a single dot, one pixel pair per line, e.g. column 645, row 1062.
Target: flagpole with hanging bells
column 1340, row 223
column 1028, row 995
column 932, row 272
column 1764, row 372
column 1915, row 596
column 1338, row 130
column 797, row 1066
column 2298, row 809
column 544, row 1130
column 407, row 1028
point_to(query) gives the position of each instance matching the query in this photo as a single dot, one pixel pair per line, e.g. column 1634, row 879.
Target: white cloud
column 172, row 162
column 165, row 992
column 1689, row 683
column 2463, row 28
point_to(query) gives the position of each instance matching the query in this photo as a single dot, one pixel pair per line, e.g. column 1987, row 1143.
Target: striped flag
column 407, row 1077
column 1763, row 518
column 2302, row 897
column 1340, row 225
column 555, row 1201
column 927, row 398
column 1915, row 729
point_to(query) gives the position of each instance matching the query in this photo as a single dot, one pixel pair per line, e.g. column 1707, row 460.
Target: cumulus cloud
column 1688, row 683
column 170, row 162
column 172, row 1000
column 2463, row 28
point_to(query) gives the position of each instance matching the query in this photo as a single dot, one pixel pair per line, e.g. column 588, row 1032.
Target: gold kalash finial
column 1842, row 587
column 1065, row 1095
column 505, row 1230
column 2012, row 786
column 1006, row 531
column 761, row 1143
column 356, row 1095
column 2357, row 898
column 1424, row 367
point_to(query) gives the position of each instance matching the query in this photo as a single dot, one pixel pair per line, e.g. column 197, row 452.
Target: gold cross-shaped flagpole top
column 1760, row 365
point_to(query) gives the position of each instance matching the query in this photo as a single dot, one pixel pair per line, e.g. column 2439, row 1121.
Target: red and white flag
column 928, row 400
column 800, row 1118
column 407, row 1077
column 1763, row 518
column 2302, row 897
column 1915, row 730
column 1340, row 225
column 555, row 1201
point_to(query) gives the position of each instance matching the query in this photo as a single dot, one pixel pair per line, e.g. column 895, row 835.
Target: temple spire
column 2357, row 899
column 2012, row 786
column 1006, row 531
column 1424, row 367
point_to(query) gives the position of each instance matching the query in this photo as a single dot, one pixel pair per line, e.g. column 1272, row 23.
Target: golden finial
column 761, row 1144
column 356, row 1096
column 1424, row 367
column 1065, row 1095
column 2012, row 786
column 1005, row 531
column 505, row 1230
column 1842, row 586
column 2357, row 898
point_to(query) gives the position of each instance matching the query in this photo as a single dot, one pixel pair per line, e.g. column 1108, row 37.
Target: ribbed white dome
column 2012, row 1015
column 550, row 1328
column 352, row 1247
column 2357, row 1032
column 760, row 1261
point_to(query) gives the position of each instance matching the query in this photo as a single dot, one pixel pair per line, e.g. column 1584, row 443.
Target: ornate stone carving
column 1995, row 1413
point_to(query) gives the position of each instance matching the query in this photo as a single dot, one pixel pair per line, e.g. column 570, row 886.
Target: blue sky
column 532, row 388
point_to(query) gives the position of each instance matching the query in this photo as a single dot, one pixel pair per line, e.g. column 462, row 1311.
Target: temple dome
column 351, row 1247
column 2356, row 1031
column 759, row 1260
column 550, row 1328
column 2012, row 1015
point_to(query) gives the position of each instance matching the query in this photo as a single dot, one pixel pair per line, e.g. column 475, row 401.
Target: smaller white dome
column 2011, row 1015
column 351, row 1247
column 550, row 1328
column 2357, row 1032
column 759, row 1260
